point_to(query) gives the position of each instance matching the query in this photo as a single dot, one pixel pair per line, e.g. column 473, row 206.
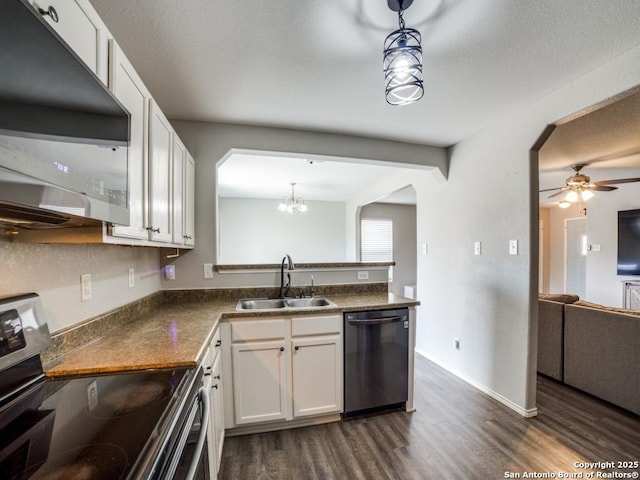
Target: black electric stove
column 103, row 427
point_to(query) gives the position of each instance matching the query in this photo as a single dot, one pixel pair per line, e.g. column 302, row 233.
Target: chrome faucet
column 284, row 289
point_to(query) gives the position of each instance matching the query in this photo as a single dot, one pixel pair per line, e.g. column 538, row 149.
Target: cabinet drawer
column 316, row 325
column 259, row 329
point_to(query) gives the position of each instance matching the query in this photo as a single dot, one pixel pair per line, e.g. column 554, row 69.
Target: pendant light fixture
column 292, row 204
column 402, row 60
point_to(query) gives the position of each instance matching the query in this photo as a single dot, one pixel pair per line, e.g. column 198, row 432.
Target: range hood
column 64, row 137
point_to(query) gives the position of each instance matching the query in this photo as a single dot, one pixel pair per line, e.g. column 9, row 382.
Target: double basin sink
column 282, row 303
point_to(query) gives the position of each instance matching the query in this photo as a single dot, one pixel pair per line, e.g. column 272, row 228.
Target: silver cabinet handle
column 154, row 230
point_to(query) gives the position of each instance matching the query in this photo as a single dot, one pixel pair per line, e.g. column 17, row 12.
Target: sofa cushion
column 626, row 311
column 559, row 297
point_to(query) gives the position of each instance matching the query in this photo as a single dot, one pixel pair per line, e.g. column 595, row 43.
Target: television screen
column 629, row 242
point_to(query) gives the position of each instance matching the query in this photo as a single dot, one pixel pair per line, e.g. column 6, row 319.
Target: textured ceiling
column 316, row 65
column 606, row 139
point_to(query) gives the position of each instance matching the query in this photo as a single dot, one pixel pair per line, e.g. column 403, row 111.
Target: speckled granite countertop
column 175, row 335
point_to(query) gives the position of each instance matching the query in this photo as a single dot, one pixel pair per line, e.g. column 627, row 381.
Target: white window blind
column 376, row 240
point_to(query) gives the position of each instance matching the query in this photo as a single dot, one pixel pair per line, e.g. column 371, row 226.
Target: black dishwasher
column 376, row 360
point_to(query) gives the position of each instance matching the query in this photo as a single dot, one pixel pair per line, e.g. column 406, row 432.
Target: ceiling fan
column 579, row 186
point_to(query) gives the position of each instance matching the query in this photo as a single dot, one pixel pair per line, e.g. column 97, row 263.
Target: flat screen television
column 629, row 242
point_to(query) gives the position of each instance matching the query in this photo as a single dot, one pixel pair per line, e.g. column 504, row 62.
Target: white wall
column 485, row 300
column 404, row 241
column 603, row 284
column 53, row 271
column 254, row 231
column 209, row 143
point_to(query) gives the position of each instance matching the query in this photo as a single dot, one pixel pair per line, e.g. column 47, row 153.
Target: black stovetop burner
column 98, row 427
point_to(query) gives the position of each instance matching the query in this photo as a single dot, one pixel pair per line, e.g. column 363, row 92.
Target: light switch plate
column 477, row 248
column 363, row 275
column 132, row 278
column 85, row 287
column 513, row 247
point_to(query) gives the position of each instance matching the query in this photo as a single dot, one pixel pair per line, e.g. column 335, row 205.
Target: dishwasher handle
column 378, row 321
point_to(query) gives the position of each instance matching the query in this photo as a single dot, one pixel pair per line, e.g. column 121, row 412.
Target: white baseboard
column 526, row 413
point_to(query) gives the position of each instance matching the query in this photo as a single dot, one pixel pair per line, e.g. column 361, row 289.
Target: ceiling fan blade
column 552, row 189
column 620, row 180
column 557, row 193
column 603, row 188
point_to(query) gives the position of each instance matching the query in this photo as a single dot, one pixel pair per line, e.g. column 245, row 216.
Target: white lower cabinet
column 217, row 419
column 215, row 429
column 317, row 375
column 283, row 368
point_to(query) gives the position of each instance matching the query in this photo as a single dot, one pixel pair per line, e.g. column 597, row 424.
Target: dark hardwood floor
column 457, row 432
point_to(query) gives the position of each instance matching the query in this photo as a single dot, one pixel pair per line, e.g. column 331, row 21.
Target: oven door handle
column 202, row 436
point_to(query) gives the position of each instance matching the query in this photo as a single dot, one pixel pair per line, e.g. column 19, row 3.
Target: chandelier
column 402, row 60
column 291, row 204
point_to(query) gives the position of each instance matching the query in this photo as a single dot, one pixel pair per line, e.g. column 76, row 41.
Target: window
column 376, row 240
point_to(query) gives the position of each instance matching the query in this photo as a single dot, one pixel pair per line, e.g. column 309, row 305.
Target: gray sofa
column 602, row 353
column 551, row 333
column 591, row 347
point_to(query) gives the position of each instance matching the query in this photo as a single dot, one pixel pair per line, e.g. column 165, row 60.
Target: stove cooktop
column 101, row 427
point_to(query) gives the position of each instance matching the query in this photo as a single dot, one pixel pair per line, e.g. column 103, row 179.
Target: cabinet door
column 216, row 426
column 82, row 29
column 127, row 86
column 260, row 381
column 160, row 149
column 317, row 375
column 177, row 194
column 189, row 201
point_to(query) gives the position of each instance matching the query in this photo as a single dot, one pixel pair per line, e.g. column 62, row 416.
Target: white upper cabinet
column 81, row 28
column 160, row 151
column 178, row 184
column 189, row 211
column 127, row 86
column 183, row 195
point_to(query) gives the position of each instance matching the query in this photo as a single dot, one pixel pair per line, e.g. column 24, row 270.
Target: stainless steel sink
column 308, row 302
column 279, row 303
column 260, row 304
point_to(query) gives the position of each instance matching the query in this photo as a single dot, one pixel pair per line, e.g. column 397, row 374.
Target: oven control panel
column 11, row 333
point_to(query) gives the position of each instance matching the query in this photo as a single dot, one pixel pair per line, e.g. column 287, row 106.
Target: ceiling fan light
column 564, row 204
column 586, row 195
column 572, row 196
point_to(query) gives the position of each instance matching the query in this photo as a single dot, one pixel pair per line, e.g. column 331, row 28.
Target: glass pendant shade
column 403, row 67
column 292, row 204
column 572, row 196
column 586, row 195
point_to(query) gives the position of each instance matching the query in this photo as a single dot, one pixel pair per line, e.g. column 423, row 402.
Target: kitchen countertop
column 176, row 335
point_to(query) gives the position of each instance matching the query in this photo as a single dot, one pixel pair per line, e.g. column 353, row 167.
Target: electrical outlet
column 170, row 272
column 85, row 287
column 132, row 278
column 456, row 343
column 208, row 270
column 424, row 249
column 363, row 275
column 92, row 395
